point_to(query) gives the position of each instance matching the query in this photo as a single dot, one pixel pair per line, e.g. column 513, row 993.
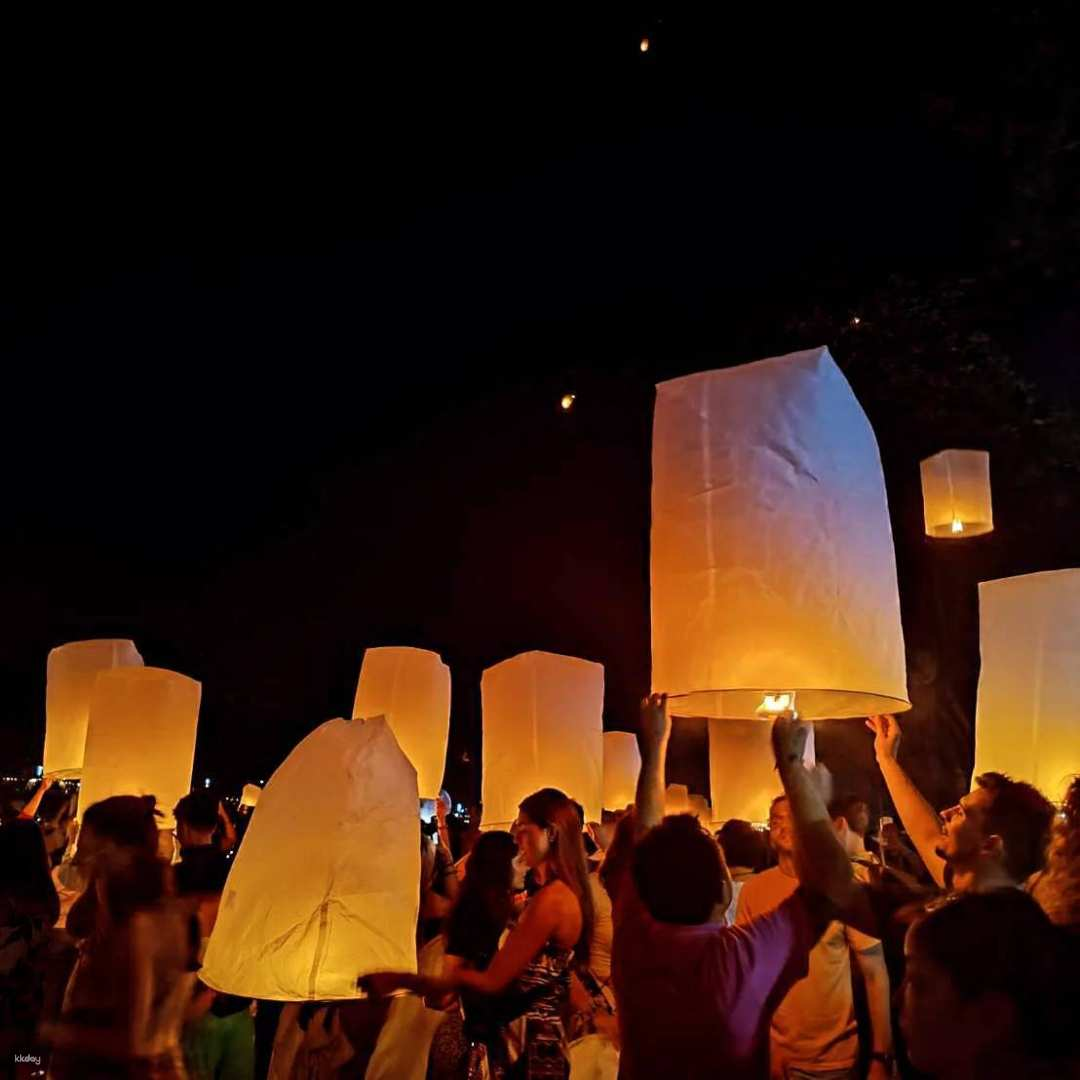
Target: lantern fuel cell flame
column 775, row 704
column 956, row 494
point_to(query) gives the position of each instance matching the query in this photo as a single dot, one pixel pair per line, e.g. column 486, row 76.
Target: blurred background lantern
column 698, row 805
column 622, row 764
column 543, row 727
column 677, row 799
column 249, row 797
column 325, row 887
column 140, row 739
column 411, row 688
column 69, row 682
column 772, row 561
column 1027, row 721
column 956, row 494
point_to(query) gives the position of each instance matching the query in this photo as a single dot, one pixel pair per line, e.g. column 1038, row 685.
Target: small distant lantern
column 543, row 727
column 643, row 45
column 301, row 921
column 249, row 797
column 411, row 688
column 140, row 739
column 772, row 563
column 567, row 402
column 677, row 799
column 1027, row 720
column 69, row 683
column 956, row 494
column 622, row 764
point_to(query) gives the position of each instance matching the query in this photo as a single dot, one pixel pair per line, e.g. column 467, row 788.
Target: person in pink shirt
column 695, row 996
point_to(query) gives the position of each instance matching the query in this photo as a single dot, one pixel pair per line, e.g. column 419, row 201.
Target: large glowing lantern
column 742, row 774
column 411, row 688
column 622, row 764
column 773, row 568
column 956, row 494
column 1027, row 722
column 543, row 727
column 141, row 737
column 325, row 886
column 69, row 681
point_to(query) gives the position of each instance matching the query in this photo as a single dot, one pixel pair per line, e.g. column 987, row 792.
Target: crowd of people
column 639, row 946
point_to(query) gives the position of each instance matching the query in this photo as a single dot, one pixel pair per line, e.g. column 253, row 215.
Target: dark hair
column 776, row 802
column 551, row 809
column 845, row 806
column 126, row 820
column 1002, row 942
column 25, row 881
column 743, row 845
column 1058, row 890
column 199, row 810
column 133, row 879
column 679, row 871
column 483, row 907
column 1023, row 817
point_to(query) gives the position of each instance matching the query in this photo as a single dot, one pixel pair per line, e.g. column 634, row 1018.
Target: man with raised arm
column 694, row 995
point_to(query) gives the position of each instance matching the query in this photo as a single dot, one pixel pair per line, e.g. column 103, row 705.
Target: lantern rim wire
column 804, row 695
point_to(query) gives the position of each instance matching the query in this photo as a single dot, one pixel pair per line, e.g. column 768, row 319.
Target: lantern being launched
column 324, row 887
column 773, row 571
column 1027, row 722
column 543, row 727
column 411, row 688
column 956, row 494
column 141, row 737
column 622, row 764
column 69, row 682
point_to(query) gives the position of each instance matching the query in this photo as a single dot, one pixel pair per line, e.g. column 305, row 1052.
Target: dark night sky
column 287, row 311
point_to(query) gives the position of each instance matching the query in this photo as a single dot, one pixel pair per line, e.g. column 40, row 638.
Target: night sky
column 287, row 311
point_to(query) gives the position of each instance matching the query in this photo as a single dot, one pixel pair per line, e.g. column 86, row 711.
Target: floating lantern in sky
column 249, row 797
column 140, row 739
column 1027, row 721
column 566, row 402
column 411, row 688
column 643, row 45
column 773, row 569
column 69, row 681
column 543, row 727
column 300, row 921
column 956, row 494
column 622, row 764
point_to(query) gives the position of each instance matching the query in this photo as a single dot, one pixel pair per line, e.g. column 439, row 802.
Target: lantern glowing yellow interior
column 773, row 570
column 956, row 494
column 411, row 688
column 742, row 775
column 70, row 673
column 1027, row 722
column 250, row 795
column 141, row 737
column 325, row 886
column 543, row 727
column 622, row 764
column 677, row 799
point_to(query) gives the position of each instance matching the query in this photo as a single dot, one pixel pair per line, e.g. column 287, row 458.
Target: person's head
column 127, row 879
column 1058, row 890
column 55, row 814
column 781, row 826
column 743, row 845
column 25, row 880
column 122, row 821
column 988, row 980
column 680, row 873
column 548, row 834
column 1002, row 823
column 855, row 813
column 196, row 818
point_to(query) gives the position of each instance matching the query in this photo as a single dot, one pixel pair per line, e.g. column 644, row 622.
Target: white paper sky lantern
column 411, row 688
column 250, row 795
column 677, row 799
column 325, row 886
column 742, row 777
column 543, row 727
column 1027, row 722
column 622, row 764
column 772, row 557
column 956, row 494
column 70, row 673
column 141, row 737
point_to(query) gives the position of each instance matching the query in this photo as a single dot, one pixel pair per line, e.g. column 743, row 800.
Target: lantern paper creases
column 325, row 886
column 141, row 737
column 69, row 683
column 543, row 727
column 772, row 558
column 1027, row 721
column 411, row 688
column 956, row 494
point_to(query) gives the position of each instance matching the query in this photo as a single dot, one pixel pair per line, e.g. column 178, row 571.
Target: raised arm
column 655, row 732
column 918, row 816
column 31, row 808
